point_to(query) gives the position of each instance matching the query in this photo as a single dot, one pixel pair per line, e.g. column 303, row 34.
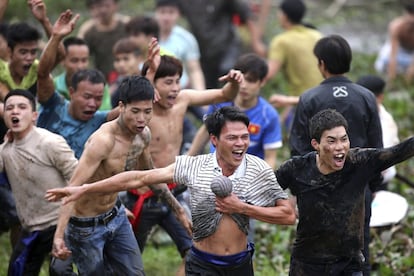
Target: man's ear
column 213, row 140
column 315, row 144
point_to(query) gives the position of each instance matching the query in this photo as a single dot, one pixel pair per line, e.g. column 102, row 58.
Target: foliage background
column 363, row 23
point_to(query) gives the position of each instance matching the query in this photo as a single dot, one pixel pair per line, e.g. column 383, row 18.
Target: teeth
column 238, row 151
column 341, row 155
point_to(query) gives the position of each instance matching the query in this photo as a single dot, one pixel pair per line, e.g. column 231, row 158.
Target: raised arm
column 211, row 96
column 63, row 26
column 39, row 11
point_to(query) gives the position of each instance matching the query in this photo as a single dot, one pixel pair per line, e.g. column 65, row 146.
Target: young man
column 76, row 58
column 219, row 231
column 264, row 128
column 290, row 52
column 356, row 103
column 116, row 145
column 330, row 184
column 180, row 42
column 29, row 151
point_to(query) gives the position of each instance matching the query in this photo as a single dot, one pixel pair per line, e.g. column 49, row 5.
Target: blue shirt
column 264, row 128
column 54, row 116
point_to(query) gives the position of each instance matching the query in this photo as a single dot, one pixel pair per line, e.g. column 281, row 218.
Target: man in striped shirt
column 219, row 247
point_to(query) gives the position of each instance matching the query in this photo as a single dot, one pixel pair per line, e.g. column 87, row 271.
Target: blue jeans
column 105, row 249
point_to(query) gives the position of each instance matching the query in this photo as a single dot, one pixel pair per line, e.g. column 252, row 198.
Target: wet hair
column 21, row 32
column 90, row 3
column 373, row 83
column 72, row 40
column 92, row 75
column 335, row 53
column 325, row 120
column 142, row 24
column 252, row 66
column 215, row 121
column 169, row 66
column 23, row 93
column 294, row 10
column 135, row 88
column 126, row 46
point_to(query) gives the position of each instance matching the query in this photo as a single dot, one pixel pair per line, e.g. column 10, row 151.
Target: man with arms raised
column 220, row 234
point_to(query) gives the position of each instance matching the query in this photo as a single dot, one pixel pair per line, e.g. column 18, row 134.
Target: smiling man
column 219, row 247
column 329, row 184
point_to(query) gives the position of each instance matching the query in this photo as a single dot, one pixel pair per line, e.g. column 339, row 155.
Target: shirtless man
column 110, row 243
column 218, row 236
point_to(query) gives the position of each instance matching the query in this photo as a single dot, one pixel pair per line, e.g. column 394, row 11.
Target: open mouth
column 339, row 159
column 15, row 121
column 237, row 153
column 26, row 67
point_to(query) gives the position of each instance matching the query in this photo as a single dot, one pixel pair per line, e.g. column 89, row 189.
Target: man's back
column 357, row 104
column 293, row 49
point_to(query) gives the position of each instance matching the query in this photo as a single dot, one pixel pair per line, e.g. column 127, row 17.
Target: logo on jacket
column 253, row 129
column 340, row 91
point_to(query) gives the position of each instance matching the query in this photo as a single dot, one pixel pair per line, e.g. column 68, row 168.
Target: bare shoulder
column 103, row 138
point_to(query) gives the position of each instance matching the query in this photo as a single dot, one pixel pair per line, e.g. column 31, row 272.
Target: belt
column 103, row 219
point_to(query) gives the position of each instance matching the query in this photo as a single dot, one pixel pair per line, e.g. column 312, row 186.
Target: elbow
column 290, row 215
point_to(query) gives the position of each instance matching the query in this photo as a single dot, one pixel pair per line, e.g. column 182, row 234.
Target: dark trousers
column 28, row 257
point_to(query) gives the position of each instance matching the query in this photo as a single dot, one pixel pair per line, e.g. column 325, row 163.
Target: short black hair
column 335, row 52
column 325, row 120
column 253, row 66
column 374, row 83
column 135, row 88
column 73, row 40
column 294, row 10
column 21, row 92
column 21, row 32
column 169, row 66
column 142, row 24
column 92, row 75
column 215, row 121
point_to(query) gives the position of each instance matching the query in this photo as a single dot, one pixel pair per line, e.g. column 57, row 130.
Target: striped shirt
column 256, row 184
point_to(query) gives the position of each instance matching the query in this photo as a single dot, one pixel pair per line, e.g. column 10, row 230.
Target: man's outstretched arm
column 121, row 182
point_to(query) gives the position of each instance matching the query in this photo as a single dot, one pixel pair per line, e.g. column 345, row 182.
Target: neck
column 16, row 78
column 164, row 34
column 123, row 129
column 245, row 104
